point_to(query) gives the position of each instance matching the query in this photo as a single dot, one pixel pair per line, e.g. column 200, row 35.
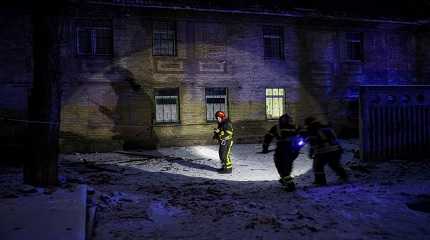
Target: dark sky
column 400, row 8
column 383, row 8
column 403, row 9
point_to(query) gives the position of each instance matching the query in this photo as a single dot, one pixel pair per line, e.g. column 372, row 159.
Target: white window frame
column 93, row 41
column 273, row 36
column 271, row 95
column 212, row 108
column 159, row 51
column 166, row 113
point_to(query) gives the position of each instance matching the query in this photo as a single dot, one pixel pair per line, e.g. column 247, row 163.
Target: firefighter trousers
column 225, row 154
column 284, row 159
column 333, row 161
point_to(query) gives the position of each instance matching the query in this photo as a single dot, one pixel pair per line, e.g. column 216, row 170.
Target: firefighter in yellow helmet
column 224, row 134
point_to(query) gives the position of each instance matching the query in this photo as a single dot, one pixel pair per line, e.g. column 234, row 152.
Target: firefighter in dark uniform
column 285, row 154
column 324, row 149
column 224, row 134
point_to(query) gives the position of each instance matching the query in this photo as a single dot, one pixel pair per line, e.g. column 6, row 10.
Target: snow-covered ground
column 175, row 193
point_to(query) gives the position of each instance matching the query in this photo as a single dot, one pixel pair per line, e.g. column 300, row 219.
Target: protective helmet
column 284, row 120
column 220, row 114
column 310, row 120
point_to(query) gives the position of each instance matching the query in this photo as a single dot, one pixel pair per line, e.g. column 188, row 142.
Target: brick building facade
column 145, row 76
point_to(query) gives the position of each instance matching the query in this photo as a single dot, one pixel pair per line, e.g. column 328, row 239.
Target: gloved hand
column 265, row 148
column 216, row 134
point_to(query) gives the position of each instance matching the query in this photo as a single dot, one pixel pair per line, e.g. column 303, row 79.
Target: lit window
column 275, row 102
column 164, row 39
column 166, row 105
column 216, row 100
column 273, row 42
column 354, row 46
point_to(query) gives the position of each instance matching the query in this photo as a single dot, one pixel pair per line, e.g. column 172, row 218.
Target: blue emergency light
column 299, row 142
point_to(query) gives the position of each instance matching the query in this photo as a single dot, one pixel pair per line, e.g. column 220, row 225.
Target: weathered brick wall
column 108, row 102
column 104, row 108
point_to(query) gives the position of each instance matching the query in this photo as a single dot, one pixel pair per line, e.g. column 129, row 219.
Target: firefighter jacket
column 282, row 134
column 322, row 139
column 224, row 131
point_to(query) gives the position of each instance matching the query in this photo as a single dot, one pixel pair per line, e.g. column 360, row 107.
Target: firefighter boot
column 288, row 184
column 320, row 179
column 343, row 177
column 225, row 170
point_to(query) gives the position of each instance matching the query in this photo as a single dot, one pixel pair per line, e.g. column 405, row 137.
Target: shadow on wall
column 322, row 93
column 248, row 131
column 116, row 115
column 309, row 96
column 132, row 113
column 349, row 126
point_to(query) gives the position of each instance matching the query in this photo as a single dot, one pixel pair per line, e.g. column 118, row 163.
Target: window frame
column 349, row 42
column 283, row 97
column 156, row 94
column 93, row 40
column 226, row 110
column 271, row 36
column 174, row 40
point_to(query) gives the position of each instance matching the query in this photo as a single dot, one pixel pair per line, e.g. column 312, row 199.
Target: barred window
column 166, row 105
column 164, row 39
column 354, row 46
column 273, row 42
column 216, row 100
column 94, row 41
column 275, row 102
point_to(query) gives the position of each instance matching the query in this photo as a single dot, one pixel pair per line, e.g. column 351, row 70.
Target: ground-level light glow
column 248, row 163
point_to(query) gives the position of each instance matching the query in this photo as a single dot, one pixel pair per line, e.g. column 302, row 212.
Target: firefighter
column 224, row 134
column 286, row 152
column 324, row 149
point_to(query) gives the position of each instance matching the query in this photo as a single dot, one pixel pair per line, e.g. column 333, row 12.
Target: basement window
column 164, row 39
column 273, row 42
column 216, row 100
column 166, row 105
column 275, row 102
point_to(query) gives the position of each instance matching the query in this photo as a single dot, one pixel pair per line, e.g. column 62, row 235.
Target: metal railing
column 394, row 122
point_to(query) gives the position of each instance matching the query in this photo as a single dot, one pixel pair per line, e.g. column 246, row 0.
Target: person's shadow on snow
column 189, row 163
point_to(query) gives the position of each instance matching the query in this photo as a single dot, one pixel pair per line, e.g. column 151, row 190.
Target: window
column 273, row 42
column 166, row 105
column 354, row 46
column 94, row 40
column 164, row 39
column 216, row 100
column 275, row 102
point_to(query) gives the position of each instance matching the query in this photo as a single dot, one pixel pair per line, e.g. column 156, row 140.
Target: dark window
column 164, row 39
column 354, row 46
column 273, row 42
column 94, row 41
column 166, row 105
column 216, row 100
column 275, row 102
